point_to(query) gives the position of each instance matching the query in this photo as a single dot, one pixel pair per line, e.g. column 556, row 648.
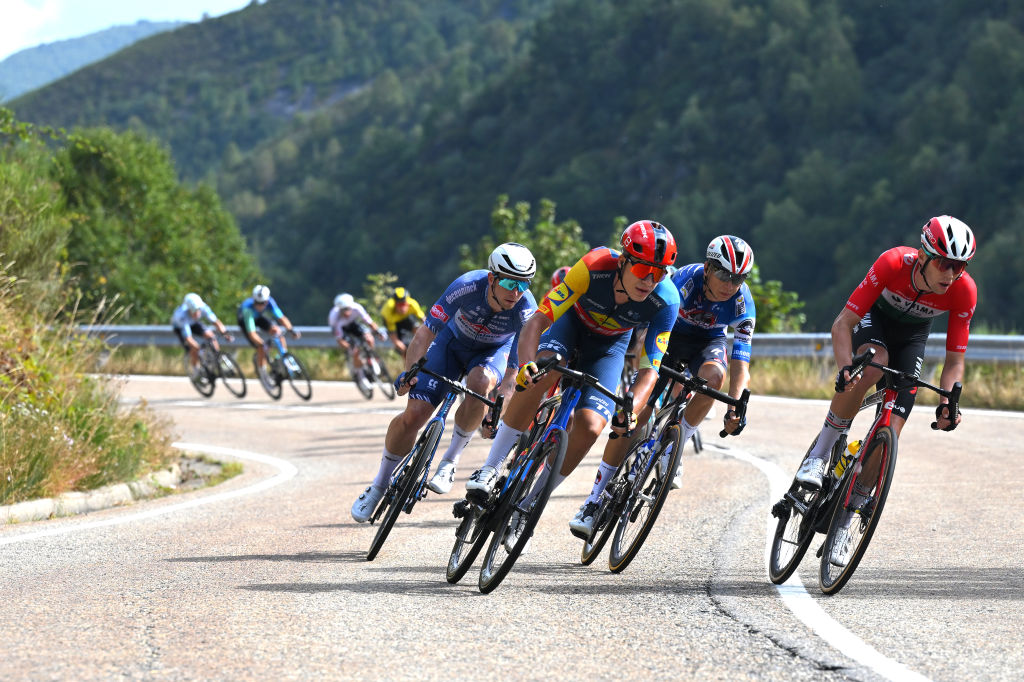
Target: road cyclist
column 252, row 315
column 592, row 313
column 187, row 322
column 354, row 329
column 402, row 315
column 468, row 333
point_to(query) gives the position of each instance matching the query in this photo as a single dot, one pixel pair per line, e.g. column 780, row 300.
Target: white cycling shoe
column 812, row 472
column 483, row 480
column 442, row 480
column 367, row 501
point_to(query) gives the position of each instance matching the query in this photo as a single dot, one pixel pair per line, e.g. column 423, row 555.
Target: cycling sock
column 605, row 472
column 688, row 430
column 387, row 466
column 460, row 439
column 830, row 432
column 504, row 440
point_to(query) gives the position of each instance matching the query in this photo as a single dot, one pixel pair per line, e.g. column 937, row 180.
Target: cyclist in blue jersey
column 187, row 321
column 713, row 295
column 603, row 298
column 251, row 314
column 469, row 331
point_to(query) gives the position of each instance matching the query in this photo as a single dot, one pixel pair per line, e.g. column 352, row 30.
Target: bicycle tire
column 470, row 538
column 298, row 378
column 202, row 383
column 607, row 516
column 271, row 386
column 363, row 385
column 793, row 533
column 831, row 578
column 405, row 485
column 384, row 379
column 698, row 442
column 646, row 490
column 551, row 452
column 231, row 374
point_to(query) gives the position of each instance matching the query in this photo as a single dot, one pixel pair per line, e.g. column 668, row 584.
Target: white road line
column 286, row 470
column 803, row 605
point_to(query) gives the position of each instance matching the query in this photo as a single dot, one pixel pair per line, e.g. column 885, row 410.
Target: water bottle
column 846, row 458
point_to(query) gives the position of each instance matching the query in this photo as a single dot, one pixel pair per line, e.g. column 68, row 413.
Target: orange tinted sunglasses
column 644, row 270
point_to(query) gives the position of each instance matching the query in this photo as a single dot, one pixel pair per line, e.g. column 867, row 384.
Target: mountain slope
column 36, row 66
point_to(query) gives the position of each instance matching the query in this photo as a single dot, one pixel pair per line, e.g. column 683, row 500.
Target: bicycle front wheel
column 298, row 376
column 200, row 379
column 793, row 532
column 650, row 488
column 470, row 537
column 405, row 486
column 384, row 379
column 854, row 520
column 267, row 379
column 231, row 374
column 500, row 558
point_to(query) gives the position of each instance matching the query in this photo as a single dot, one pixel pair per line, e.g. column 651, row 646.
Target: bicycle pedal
column 779, row 509
column 460, row 509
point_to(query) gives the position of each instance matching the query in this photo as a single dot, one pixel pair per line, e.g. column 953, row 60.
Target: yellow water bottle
column 846, row 458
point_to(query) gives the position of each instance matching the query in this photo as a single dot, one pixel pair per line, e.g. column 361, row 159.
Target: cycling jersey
column 342, row 323
column 464, row 309
column 703, row 319
column 889, row 288
column 392, row 317
column 182, row 320
column 247, row 314
column 589, row 291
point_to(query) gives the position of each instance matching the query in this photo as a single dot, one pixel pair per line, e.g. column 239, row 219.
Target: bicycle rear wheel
column 383, row 378
column 231, row 374
column 650, row 488
column 200, row 379
column 793, row 532
column 402, row 489
column 364, row 385
column 498, row 560
column 851, row 529
column 470, row 538
column 298, row 376
column 267, row 379
column 613, row 502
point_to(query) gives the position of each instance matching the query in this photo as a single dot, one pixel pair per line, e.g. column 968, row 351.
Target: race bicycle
column 408, row 484
column 509, row 514
column 215, row 364
column 282, row 366
column 846, row 508
column 636, row 493
column 373, row 371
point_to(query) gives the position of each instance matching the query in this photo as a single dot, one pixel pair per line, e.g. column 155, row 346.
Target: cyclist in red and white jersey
column 892, row 311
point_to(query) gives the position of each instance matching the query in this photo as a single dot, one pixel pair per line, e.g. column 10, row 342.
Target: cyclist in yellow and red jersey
column 892, row 310
column 604, row 297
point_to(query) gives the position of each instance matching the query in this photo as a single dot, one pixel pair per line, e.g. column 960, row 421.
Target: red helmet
column 558, row 276
column 946, row 237
column 649, row 242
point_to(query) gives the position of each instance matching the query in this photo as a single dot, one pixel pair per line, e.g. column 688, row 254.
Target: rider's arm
column 529, row 338
column 842, row 339
column 418, row 346
column 287, row 323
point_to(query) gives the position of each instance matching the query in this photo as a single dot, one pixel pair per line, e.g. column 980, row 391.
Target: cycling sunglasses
column 947, row 264
column 726, row 276
column 644, row 270
column 519, row 285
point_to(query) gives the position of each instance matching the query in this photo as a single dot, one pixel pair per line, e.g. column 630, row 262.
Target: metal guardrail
column 982, row 348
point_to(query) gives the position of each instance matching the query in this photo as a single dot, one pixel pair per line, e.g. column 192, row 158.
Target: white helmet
column 261, row 293
column 732, row 254
column 193, row 302
column 344, row 301
column 512, row 260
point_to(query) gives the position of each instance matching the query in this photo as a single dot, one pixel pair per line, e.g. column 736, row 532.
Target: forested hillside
column 36, row 66
column 823, row 132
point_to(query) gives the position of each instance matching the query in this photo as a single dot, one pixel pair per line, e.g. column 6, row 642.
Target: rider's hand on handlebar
column 382, row 334
column 295, row 333
column 942, row 420
column 525, row 377
column 623, row 423
column 228, row 336
column 844, row 380
column 733, row 425
column 401, row 387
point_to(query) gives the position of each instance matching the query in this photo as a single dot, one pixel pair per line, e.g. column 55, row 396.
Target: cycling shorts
column 596, row 354
column 452, row 358
column 905, row 344
column 260, row 322
column 693, row 351
column 354, row 332
column 197, row 329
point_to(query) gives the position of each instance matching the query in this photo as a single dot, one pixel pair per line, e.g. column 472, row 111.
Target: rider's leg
column 522, row 408
column 401, row 436
column 469, row 415
column 700, row 404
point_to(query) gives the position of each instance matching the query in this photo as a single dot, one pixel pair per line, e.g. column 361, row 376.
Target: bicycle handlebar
column 700, row 385
column 495, row 405
column 866, row 359
column 580, row 379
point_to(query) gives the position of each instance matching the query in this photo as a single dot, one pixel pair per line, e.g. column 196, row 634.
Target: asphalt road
column 265, row 576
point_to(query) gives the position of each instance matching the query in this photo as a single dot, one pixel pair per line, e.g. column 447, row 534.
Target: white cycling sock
column 504, row 440
column 831, row 430
column 460, row 439
column 387, row 466
column 688, row 430
column 605, row 472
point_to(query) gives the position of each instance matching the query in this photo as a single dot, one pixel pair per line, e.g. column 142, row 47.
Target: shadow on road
column 314, row 557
